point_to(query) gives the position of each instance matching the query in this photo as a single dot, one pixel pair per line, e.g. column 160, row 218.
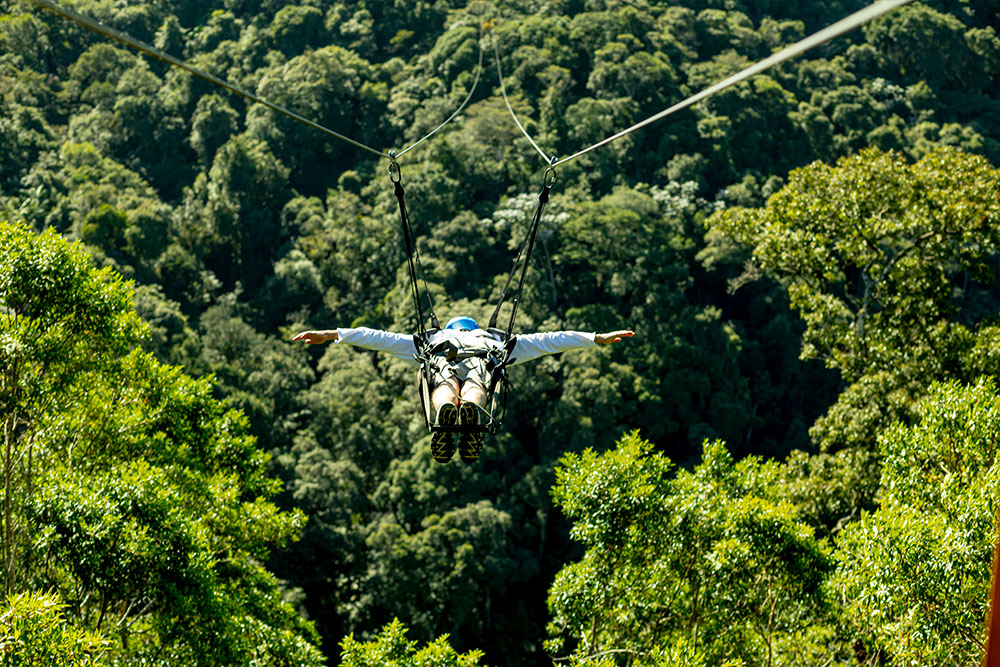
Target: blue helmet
column 461, row 323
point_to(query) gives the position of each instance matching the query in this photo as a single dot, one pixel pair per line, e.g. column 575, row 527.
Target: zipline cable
column 844, row 25
column 851, row 22
column 142, row 47
column 503, row 91
column 472, row 89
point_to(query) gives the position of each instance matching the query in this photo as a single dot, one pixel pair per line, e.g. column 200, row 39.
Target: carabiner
column 395, row 175
column 550, row 177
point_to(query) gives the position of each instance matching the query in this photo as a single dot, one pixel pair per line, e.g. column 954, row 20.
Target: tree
column 331, row 86
column 170, row 36
column 915, row 572
column 439, row 570
column 241, row 200
column 626, row 259
column 77, row 181
column 621, row 70
column 296, row 28
column 391, row 647
column 754, row 114
column 590, row 120
column 213, row 123
column 711, row 557
column 97, row 69
column 356, row 247
column 880, row 258
column 146, row 136
column 35, row 632
column 61, row 322
column 169, row 337
column 222, row 25
column 24, row 42
column 719, row 30
column 785, row 394
column 900, row 38
column 24, row 132
column 129, row 492
column 257, row 374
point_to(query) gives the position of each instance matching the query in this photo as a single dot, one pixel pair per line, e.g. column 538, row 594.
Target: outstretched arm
column 398, row 345
column 613, row 336
column 532, row 346
column 316, row 337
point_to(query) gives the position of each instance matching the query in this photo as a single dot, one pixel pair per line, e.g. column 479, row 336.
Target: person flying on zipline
column 459, row 359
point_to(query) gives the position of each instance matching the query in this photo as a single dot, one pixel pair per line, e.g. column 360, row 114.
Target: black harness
column 434, row 358
column 431, row 356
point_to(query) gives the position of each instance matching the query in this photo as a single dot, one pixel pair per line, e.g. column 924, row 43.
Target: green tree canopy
column 713, row 558
column 237, row 224
column 129, row 492
column 391, row 648
column 881, row 259
column 35, row 631
column 915, row 573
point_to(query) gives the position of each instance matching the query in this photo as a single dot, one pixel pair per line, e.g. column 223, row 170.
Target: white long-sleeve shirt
column 526, row 346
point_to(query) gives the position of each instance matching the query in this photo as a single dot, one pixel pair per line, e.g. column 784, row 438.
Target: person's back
column 465, row 343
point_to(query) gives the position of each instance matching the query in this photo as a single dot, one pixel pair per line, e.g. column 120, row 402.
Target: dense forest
column 793, row 462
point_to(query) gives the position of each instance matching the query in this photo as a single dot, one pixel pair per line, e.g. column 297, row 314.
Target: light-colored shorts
column 472, row 369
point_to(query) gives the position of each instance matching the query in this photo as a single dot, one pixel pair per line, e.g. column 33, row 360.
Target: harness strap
column 529, row 241
column 498, row 366
column 420, row 341
column 412, row 254
column 496, row 362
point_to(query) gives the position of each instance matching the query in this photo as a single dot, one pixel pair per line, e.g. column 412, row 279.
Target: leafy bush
column 915, row 573
column 33, row 631
column 391, row 648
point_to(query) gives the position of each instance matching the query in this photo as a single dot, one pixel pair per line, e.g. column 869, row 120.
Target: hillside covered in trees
column 794, row 462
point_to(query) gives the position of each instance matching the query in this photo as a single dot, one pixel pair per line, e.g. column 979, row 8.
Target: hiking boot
column 470, row 443
column 443, row 442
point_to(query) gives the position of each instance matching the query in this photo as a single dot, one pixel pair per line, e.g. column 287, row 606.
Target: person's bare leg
column 473, row 392
column 445, row 393
column 470, row 442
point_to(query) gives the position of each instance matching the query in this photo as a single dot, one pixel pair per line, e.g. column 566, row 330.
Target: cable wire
column 845, row 25
column 472, row 89
column 503, row 91
column 142, row 47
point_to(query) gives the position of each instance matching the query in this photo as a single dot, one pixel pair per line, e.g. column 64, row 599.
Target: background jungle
column 792, row 463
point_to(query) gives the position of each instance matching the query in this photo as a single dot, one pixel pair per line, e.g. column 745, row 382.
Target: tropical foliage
column 808, row 259
column 130, row 494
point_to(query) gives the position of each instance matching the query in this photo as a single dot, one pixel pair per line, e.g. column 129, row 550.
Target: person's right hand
column 316, row 337
column 613, row 337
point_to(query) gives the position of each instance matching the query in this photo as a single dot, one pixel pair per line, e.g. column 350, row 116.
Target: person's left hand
column 613, row 337
column 316, row 337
